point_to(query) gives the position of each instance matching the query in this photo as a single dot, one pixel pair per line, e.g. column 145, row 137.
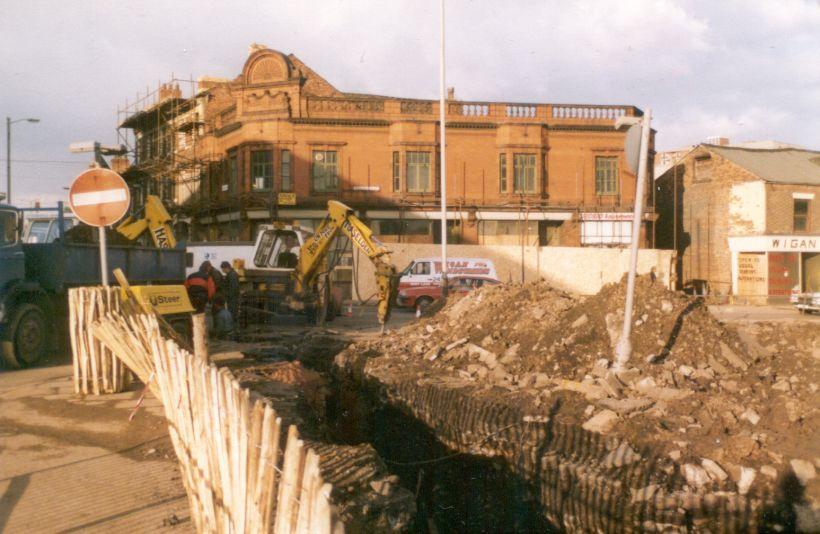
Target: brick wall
column 705, row 217
column 780, row 208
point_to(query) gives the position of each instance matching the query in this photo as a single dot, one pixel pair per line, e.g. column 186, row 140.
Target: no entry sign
column 99, row 197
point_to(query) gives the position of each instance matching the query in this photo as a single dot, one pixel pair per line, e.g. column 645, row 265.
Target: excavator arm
column 155, row 219
column 340, row 218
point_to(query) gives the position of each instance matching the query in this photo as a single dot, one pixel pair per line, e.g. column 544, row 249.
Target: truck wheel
column 422, row 304
column 28, row 335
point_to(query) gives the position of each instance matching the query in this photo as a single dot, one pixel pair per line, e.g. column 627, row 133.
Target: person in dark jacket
column 219, row 280
column 223, row 322
column 201, row 287
column 231, row 289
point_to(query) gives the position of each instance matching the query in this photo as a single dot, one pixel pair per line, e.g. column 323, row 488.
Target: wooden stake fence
column 96, row 369
column 228, row 445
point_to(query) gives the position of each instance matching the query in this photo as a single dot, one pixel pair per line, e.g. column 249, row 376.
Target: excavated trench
column 388, row 469
column 454, row 492
column 414, row 454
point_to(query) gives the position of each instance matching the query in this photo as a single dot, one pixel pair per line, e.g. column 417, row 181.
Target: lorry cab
column 12, row 259
column 46, row 229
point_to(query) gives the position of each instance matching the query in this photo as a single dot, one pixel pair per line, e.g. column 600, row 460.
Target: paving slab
column 70, row 463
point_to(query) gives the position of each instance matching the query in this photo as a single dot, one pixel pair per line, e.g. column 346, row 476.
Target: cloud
column 748, row 69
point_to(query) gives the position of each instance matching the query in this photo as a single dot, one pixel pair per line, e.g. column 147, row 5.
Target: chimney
column 119, row 164
column 451, row 93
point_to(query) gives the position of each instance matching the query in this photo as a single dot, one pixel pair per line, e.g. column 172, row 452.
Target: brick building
column 744, row 222
column 279, row 141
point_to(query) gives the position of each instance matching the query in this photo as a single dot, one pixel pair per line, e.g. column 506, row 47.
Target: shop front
column 768, row 268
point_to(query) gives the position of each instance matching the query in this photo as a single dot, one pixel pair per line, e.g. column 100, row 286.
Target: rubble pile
column 734, row 410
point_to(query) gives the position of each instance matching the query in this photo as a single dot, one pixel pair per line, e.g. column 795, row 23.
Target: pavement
column 70, row 464
column 753, row 314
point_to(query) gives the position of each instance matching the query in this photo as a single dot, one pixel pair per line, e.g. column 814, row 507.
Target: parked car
column 419, row 297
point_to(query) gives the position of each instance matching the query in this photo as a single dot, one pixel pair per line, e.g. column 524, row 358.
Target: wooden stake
column 200, row 331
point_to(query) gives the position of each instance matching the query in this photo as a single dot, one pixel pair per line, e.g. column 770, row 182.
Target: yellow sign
column 165, row 299
column 287, row 199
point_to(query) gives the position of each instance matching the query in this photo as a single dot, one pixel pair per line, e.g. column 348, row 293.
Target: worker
column 231, row 289
column 201, row 287
column 219, row 280
column 223, row 322
column 289, row 256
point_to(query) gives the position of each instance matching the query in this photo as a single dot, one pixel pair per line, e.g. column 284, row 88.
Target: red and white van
column 427, row 271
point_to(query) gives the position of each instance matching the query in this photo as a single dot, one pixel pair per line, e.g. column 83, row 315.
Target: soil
column 702, row 392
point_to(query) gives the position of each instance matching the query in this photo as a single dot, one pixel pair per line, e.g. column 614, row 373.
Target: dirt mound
column 734, row 409
column 666, row 327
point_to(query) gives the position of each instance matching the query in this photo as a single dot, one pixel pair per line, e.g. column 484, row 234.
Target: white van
column 234, row 252
column 426, row 271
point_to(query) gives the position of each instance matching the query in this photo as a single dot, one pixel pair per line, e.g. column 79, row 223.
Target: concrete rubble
column 722, row 404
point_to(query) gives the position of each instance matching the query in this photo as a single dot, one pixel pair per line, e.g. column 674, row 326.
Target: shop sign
column 287, row 199
column 775, row 243
column 794, row 242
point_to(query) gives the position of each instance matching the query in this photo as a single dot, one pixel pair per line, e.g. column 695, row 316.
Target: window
column 287, row 181
column 606, row 232
column 37, row 232
column 703, row 169
column 606, row 176
column 233, row 175
column 801, row 214
column 277, row 248
column 395, row 227
column 325, row 173
column 418, row 172
column 524, row 171
column 216, row 175
column 8, row 228
column 166, row 191
column 261, row 169
column 396, row 172
column 502, row 172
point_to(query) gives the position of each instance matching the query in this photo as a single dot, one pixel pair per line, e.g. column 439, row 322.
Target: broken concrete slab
column 730, row 356
column 590, row 391
column 747, row 477
column 456, row 343
column 602, row 422
column 695, row 476
column 580, row 321
column 714, row 470
column 803, row 470
column 626, row 406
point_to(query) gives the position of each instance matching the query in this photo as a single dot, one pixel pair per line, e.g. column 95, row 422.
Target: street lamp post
column 9, row 122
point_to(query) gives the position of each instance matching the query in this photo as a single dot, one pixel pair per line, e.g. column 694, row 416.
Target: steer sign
column 99, row 197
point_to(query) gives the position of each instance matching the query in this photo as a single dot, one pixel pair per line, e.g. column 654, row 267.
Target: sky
column 744, row 69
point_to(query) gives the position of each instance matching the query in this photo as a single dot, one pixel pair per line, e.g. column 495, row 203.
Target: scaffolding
column 160, row 129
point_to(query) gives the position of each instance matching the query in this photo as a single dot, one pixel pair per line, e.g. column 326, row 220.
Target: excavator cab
column 278, row 248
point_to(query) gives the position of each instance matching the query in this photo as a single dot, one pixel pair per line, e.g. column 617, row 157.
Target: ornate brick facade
column 515, row 172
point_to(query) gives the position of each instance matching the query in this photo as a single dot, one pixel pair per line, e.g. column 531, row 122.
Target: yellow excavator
column 295, row 267
column 170, row 300
column 155, row 219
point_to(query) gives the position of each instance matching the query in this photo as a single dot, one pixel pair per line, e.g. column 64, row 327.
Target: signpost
column 99, row 197
column 623, row 349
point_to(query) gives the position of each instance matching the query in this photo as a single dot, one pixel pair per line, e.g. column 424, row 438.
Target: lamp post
column 443, row 162
column 9, row 122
